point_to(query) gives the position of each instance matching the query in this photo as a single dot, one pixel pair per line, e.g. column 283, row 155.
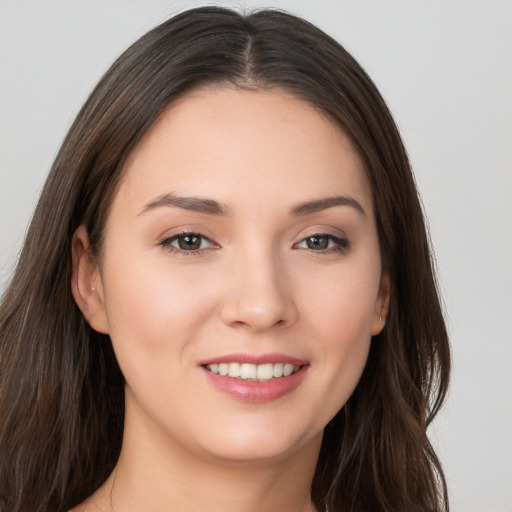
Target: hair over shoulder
column 61, row 389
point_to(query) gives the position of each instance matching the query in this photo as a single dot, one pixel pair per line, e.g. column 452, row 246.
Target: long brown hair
column 61, row 390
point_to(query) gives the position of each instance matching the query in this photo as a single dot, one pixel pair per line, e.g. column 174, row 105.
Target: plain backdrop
column 445, row 68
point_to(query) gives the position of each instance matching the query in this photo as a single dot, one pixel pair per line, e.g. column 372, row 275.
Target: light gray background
column 445, row 68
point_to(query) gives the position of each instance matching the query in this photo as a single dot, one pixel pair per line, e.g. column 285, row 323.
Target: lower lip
column 257, row 392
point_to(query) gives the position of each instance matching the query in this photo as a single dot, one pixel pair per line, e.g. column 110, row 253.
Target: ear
column 86, row 284
column 381, row 305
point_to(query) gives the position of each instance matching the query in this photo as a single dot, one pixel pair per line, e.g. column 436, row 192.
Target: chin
column 260, row 443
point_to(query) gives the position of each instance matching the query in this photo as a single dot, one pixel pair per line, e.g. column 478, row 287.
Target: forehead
column 232, row 144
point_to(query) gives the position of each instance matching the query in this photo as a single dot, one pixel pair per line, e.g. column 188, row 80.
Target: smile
column 255, row 378
column 252, row 372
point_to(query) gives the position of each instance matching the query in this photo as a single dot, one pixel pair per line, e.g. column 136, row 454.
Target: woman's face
column 241, row 246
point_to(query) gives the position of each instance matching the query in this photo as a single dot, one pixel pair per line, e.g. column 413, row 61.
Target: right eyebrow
column 193, row 204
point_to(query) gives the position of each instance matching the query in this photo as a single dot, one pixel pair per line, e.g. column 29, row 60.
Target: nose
column 259, row 294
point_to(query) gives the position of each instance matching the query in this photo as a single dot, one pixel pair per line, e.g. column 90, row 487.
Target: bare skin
column 243, row 228
column 252, row 489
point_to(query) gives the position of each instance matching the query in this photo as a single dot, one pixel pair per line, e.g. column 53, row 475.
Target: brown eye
column 318, row 243
column 189, row 242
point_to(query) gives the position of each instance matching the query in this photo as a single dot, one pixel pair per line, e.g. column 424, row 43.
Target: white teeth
column 288, row 369
column 278, row 370
column 246, row 371
column 265, row 371
column 234, row 370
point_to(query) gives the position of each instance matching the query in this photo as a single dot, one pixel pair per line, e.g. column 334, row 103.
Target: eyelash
column 167, row 241
column 340, row 244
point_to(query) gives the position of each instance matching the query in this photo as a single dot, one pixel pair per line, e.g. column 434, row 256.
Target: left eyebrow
column 193, row 204
column 317, row 205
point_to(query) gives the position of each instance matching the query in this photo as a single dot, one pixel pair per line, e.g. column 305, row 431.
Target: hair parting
column 61, row 389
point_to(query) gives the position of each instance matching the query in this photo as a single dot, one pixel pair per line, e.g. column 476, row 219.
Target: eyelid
column 166, row 241
column 341, row 242
column 336, row 242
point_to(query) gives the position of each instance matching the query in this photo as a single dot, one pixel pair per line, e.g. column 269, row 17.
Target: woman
column 236, row 308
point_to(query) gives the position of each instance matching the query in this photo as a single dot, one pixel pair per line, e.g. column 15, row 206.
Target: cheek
column 341, row 319
column 344, row 301
column 153, row 313
column 344, row 325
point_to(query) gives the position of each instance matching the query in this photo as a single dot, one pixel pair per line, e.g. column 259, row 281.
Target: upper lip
column 256, row 359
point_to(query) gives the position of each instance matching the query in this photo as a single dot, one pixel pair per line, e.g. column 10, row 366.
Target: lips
column 253, row 372
column 255, row 379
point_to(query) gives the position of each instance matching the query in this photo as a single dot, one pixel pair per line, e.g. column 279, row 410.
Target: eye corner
column 323, row 243
column 187, row 243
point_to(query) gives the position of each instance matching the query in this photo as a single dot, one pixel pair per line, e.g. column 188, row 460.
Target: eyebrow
column 193, row 204
column 211, row 207
column 318, row 205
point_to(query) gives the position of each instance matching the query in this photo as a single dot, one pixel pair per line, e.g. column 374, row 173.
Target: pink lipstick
column 255, row 378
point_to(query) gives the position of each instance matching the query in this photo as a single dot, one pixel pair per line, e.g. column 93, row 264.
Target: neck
column 155, row 473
